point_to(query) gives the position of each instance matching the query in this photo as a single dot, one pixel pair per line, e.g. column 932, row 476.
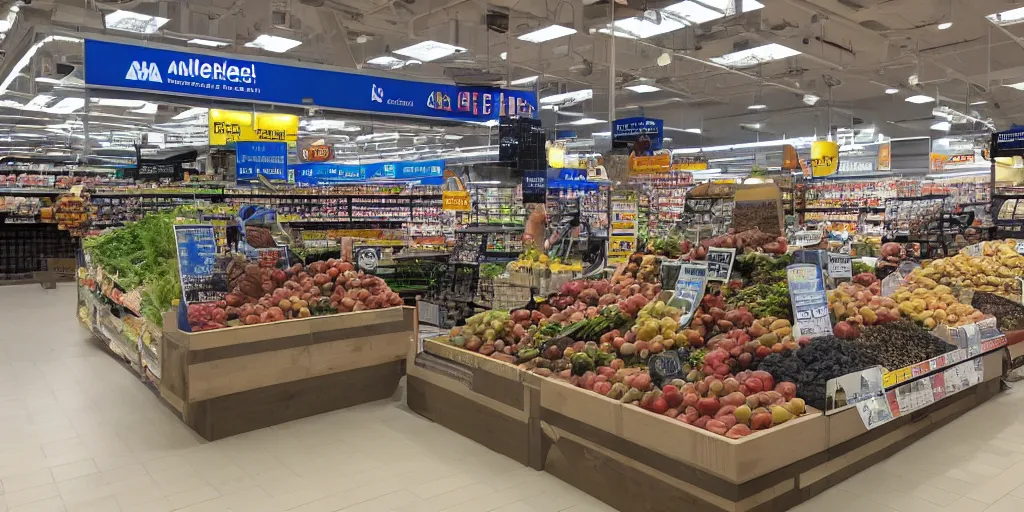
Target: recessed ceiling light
column 362, row 39
column 1007, row 17
column 503, row 55
column 757, row 106
column 547, row 34
column 664, row 59
column 427, row 51
column 754, row 56
column 274, row 44
column 386, row 61
column 133, row 22
column 892, row 90
column 208, row 42
column 944, row 26
column 641, row 88
column 920, row 98
column 526, row 80
column 586, row 121
column 1019, row 86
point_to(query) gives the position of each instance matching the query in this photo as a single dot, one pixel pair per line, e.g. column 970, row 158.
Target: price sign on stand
column 810, row 304
column 840, row 266
column 693, row 277
column 808, row 238
column 720, row 262
column 197, row 255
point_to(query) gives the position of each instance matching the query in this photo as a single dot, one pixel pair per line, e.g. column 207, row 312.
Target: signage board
column 626, row 133
column 824, row 158
column 840, row 266
column 810, row 304
column 455, row 200
column 693, row 277
column 650, row 164
column 314, row 174
column 161, row 69
column 197, row 257
column 230, row 126
column 720, row 260
column 689, row 163
column 535, row 186
column 255, row 159
column 314, row 149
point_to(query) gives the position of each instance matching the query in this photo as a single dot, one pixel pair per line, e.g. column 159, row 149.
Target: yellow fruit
column 779, row 414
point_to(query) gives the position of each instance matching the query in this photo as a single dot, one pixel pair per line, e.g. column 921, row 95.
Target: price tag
column 693, row 277
column 807, row 238
column 1020, row 246
column 197, row 254
column 720, row 260
column 810, row 304
column 840, row 266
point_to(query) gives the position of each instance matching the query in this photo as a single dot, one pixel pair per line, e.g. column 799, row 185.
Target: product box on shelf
column 237, row 379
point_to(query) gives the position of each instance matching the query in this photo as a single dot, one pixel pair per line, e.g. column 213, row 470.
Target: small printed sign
column 810, row 304
column 197, row 255
column 693, row 277
column 808, row 238
column 840, row 266
column 455, row 200
column 720, row 260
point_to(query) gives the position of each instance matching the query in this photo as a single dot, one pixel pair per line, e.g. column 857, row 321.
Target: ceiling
column 851, row 51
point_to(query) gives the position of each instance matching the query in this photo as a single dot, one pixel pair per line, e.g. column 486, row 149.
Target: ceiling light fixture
column 664, row 59
column 148, row 108
column 192, row 112
column 697, row 131
column 387, row 62
column 568, row 99
column 982, row 102
column 892, row 90
column 758, row 106
column 47, row 80
column 208, row 43
column 586, row 121
column 694, row 13
column 919, row 99
column 642, row 28
column 1005, row 18
column 362, row 39
column 1019, row 86
column 427, row 51
column 66, row 106
column 642, row 88
column 547, row 34
column 274, row 44
column 524, row 81
column 811, row 99
column 944, row 26
column 943, row 126
column 503, row 55
column 129, row 21
column 38, row 102
column 754, row 56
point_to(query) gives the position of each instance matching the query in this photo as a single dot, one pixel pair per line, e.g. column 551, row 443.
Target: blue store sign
column 267, row 159
column 160, row 70
column 629, row 130
column 328, row 173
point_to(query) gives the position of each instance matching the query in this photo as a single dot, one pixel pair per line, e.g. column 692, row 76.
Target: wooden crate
column 489, row 401
column 238, row 379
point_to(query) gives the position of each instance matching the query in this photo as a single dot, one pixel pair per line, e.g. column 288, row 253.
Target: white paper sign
column 891, row 283
column 840, row 266
column 693, row 277
column 720, row 260
column 807, row 238
column 810, row 304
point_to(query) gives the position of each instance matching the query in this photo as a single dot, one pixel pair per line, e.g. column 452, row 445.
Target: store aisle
column 77, row 433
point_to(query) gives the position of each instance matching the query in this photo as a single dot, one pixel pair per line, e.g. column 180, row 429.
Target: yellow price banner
column 455, row 200
column 227, row 126
column 824, row 158
column 650, row 164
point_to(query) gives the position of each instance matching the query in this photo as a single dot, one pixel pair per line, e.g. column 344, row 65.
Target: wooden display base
column 486, row 400
column 238, row 379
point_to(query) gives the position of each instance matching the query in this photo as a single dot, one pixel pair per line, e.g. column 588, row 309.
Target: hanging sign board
column 720, row 260
column 824, row 158
column 230, row 126
column 650, row 164
column 197, row 255
column 261, row 159
column 456, row 201
column 535, row 186
column 171, row 70
column 313, row 174
column 758, row 206
column 689, row 163
column 884, row 157
column 638, row 133
column 810, row 304
column 807, row 238
column 790, row 160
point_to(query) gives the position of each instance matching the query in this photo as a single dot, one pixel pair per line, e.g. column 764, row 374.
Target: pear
column 780, row 414
column 742, row 414
column 796, row 406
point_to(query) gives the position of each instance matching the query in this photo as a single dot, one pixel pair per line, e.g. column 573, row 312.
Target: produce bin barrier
column 638, row 461
column 238, row 379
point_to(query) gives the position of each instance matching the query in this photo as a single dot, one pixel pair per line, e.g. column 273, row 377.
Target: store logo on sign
column 439, row 101
column 144, row 72
column 376, row 93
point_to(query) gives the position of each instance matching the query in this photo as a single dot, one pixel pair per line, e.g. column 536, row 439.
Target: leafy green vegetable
column 492, row 270
column 764, row 300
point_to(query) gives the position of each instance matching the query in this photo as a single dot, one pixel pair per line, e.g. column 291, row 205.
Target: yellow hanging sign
column 455, row 200
column 824, row 158
column 227, row 126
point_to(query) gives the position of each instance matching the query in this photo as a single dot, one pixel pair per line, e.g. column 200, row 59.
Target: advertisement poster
column 810, row 304
column 255, row 159
column 693, row 277
column 197, row 258
column 622, row 240
column 720, row 260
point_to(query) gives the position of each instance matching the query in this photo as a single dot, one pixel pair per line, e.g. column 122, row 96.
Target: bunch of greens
column 492, row 270
column 861, row 267
column 762, row 268
column 764, row 300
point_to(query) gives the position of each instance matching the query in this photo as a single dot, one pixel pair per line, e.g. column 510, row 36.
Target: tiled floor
column 78, row 433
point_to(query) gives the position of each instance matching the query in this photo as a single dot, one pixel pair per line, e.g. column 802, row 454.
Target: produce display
column 995, row 270
column 1009, row 314
column 901, row 343
column 824, row 358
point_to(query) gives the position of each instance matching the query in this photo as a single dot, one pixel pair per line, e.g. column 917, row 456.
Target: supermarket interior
column 531, row 256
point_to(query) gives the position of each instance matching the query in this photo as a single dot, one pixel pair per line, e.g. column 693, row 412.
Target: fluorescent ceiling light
column 758, row 106
column 148, row 108
column 920, row 98
column 453, row 137
column 941, row 126
column 273, row 43
column 1019, row 86
column 982, row 102
column 944, row 26
column 754, row 56
column 427, row 51
column 5, row 25
column 503, row 55
column 47, row 80
column 644, row 28
column 618, row 33
column 133, row 22
column 642, row 88
column 192, row 112
column 38, row 102
column 693, row 130
column 386, row 61
column 208, row 42
column 112, row 102
column 547, row 34
column 568, row 99
column 1007, row 17
column 693, row 13
column 66, row 106
column 524, row 81
column 587, row 120
column 811, row 99
column 892, row 90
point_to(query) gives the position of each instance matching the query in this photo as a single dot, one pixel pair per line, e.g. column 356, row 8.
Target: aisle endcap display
column 234, row 380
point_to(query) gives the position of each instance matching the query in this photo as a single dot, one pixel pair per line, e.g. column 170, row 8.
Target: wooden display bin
column 228, row 381
column 489, row 401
